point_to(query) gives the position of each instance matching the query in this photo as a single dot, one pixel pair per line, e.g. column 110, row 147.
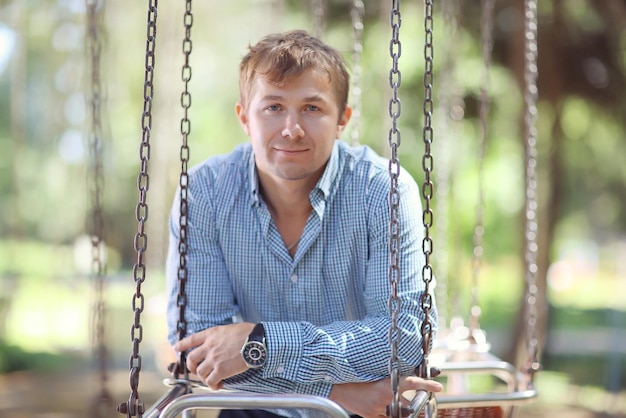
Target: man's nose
column 292, row 129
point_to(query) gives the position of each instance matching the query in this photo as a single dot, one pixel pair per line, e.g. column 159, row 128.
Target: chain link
column 185, row 129
column 357, row 12
column 483, row 116
column 531, row 205
column 427, row 187
column 134, row 407
column 103, row 400
column 394, row 302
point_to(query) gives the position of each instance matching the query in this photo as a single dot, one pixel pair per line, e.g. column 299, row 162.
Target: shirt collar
column 327, row 180
column 324, row 184
column 254, row 180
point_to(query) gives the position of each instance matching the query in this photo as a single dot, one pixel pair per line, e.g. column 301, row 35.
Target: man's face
column 292, row 127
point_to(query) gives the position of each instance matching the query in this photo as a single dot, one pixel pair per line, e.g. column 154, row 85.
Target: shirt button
column 293, row 278
column 280, row 369
column 327, row 378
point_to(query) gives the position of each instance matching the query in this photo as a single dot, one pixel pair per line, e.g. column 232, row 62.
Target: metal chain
column 531, row 205
column 319, row 15
column 394, row 302
column 185, row 129
column 103, row 400
column 357, row 12
column 483, row 116
column 134, row 407
column 427, row 187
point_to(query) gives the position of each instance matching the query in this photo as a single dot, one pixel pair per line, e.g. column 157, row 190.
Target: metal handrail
column 470, row 354
column 501, row 369
column 179, row 389
column 487, row 363
column 218, row 400
column 233, row 400
column 477, row 367
column 488, row 399
column 419, row 404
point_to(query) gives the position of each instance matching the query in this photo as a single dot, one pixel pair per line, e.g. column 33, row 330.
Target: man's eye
column 312, row 108
column 273, row 108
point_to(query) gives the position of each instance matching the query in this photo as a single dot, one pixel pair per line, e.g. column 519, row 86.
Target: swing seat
column 471, row 412
column 475, row 412
column 423, row 403
column 456, row 367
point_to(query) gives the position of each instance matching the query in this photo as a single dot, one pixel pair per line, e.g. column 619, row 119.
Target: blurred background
column 57, row 314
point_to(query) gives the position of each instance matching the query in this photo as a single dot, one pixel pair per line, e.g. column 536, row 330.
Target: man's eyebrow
column 272, row 97
column 315, row 98
column 275, row 97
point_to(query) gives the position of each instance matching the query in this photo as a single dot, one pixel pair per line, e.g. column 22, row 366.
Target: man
column 288, row 288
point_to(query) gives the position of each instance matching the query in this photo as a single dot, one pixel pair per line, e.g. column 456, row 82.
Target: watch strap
column 257, row 333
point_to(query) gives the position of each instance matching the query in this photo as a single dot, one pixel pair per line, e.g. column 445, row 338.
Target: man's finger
column 189, row 342
column 213, row 381
column 417, row 383
column 192, row 364
column 203, row 369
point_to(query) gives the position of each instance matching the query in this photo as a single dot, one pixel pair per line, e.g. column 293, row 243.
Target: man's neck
column 289, row 205
column 286, row 198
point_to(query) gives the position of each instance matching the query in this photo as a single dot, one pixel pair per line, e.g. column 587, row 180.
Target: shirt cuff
column 284, row 350
column 252, row 381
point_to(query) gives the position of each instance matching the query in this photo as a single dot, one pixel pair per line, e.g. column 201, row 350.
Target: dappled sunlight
column 587, row 275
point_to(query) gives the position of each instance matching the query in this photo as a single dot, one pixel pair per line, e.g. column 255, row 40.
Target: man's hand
column 371, row 399
column 214, row 353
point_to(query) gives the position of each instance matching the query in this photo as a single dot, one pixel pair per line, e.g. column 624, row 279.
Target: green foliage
column 570, row 317
column 36, row 260
column 588, row 370
column 14, row 358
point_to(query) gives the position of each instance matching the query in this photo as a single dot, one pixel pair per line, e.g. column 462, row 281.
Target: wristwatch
column 254, row 351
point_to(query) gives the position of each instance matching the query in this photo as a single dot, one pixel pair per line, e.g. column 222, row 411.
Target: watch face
column 254, row 353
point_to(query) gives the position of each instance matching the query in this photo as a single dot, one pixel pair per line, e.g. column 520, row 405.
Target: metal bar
column 451, row 356
column 177, row 391
column 250, row 401
column 419, row 402
column 478, row 367
column 488, row 399
column 501, row 369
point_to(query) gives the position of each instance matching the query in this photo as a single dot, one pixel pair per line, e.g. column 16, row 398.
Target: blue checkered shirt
column 325, row 311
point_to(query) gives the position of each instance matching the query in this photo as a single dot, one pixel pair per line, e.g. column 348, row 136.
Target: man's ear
column 242, row 117
column 343, row 120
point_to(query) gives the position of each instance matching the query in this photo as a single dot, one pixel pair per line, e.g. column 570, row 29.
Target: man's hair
column 281, row 57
